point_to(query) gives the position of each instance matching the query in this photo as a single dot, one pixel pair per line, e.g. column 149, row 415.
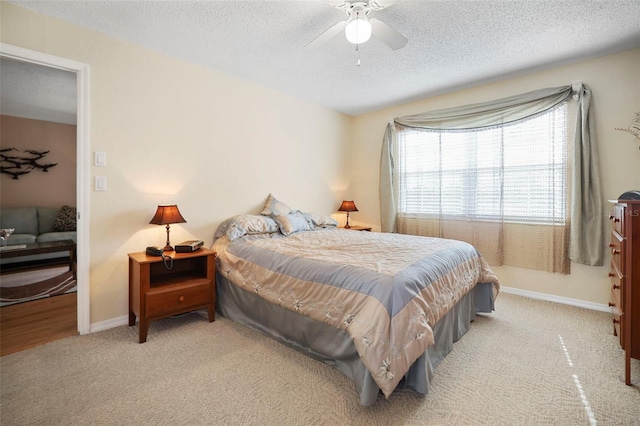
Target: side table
column 156, row 292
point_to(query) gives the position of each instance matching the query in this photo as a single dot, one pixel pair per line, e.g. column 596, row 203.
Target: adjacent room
column 320, row 212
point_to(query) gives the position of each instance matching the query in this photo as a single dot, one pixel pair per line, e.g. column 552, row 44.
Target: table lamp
column 348, row 206
column 166, row 215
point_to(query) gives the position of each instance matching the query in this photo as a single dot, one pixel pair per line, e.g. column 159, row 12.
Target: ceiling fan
column 358, row 27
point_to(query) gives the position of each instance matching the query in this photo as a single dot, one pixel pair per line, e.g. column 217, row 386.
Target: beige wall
column 57, row 186
column 215, row 145
column 614, row 82
column 175, row 132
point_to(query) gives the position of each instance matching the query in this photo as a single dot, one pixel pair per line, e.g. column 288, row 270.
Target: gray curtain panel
column 587, row 230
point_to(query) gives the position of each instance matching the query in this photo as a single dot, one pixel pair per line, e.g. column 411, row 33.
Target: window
column 513, row 173
column 496, row 174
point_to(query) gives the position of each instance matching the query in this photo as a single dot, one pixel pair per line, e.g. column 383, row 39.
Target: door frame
column 83, row 160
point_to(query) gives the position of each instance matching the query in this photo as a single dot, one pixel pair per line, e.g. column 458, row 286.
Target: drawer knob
column 614, row 252
column 611, row 245
column 611, row 305
column 181, row 299
column 615, row 286
column 611, row 275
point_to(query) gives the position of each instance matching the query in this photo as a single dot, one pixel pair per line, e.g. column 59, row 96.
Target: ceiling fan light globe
column 358, row 30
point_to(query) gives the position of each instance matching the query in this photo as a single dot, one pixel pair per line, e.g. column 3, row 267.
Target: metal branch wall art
column 19, row 164
column 633, row 128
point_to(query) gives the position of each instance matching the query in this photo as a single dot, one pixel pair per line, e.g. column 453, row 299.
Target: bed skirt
column 334, row 346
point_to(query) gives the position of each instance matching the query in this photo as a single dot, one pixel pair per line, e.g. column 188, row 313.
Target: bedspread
column 386, row 290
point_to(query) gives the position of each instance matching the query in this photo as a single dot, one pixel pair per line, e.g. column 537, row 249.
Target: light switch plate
column 100, row 183
column 100, row 159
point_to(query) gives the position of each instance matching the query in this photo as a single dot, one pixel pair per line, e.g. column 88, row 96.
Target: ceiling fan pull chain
column 358, row 51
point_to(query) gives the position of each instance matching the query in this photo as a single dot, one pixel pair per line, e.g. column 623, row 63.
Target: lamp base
column 347, row 226
column 167, row 247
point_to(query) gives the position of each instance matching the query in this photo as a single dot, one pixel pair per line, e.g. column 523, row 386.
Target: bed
column 382, row 308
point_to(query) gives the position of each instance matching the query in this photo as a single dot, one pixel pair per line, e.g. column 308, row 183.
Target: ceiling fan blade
column 384, row 32
column 381, row 4
column 327, row 35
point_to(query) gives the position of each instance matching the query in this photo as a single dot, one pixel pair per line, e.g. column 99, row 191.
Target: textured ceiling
column 34, row 91
column 452, row 44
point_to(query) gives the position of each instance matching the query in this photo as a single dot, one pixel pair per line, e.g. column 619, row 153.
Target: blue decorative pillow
column 291, row 222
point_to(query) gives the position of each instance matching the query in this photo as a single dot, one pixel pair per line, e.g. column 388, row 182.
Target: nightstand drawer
column 167, row 301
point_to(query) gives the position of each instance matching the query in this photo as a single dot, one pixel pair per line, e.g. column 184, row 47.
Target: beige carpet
column 530, row 362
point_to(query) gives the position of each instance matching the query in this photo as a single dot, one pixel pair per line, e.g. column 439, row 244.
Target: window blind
column 516, row 172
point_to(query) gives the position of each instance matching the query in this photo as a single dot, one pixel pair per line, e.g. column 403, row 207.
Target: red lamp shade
column 166, row 215
column 348, row 206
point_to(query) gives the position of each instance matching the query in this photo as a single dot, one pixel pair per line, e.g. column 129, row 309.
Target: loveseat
column 39, row 224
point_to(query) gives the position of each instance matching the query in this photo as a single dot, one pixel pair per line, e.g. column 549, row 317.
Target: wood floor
column 34, row 323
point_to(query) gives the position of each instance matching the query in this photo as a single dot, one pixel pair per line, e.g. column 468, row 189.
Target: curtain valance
column 492, row 113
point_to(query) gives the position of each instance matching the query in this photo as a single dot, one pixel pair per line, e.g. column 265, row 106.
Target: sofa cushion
column 56, row 236
column 24, row 220
column 46, row 218
column 15, row 239
column 65, row 220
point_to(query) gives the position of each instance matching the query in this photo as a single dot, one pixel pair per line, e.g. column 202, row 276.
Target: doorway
column 81, row 72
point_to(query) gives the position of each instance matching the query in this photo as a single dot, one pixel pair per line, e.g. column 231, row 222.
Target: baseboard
column 110, row 323
column 557, row 299
column 124, row 320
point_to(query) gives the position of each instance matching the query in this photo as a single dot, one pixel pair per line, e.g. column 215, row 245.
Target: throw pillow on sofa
column 66, row 219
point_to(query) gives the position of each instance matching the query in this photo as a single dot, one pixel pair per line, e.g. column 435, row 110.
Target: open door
column 81, row 72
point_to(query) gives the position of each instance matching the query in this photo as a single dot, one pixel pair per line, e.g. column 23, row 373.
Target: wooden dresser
column 625, row 277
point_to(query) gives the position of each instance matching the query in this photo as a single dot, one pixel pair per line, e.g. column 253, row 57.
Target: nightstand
column 359, row 228
column 156, row 292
